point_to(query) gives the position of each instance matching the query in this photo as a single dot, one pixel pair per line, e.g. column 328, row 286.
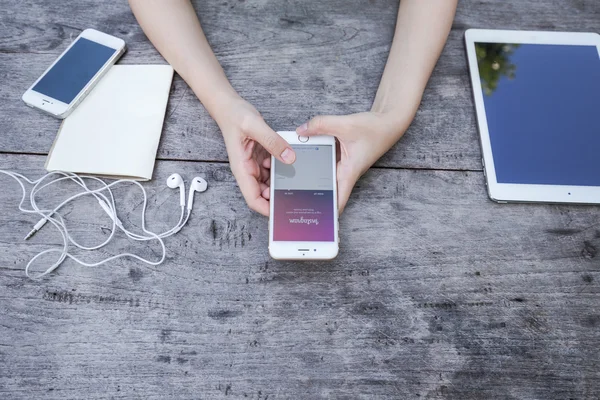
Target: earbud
column 107, row 203
column 176, row 181
column 198, row 185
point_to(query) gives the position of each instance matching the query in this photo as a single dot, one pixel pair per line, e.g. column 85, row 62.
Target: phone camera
column 303, row 139
column 315, row 250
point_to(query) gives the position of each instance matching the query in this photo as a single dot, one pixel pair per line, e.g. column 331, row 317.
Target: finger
column 265, row 190
column 271, row 141
column 325, row 125
column 260, row 205
column 265, row 171
column 251, row 168
column 267, row 163
column 266, row 193
column 263, row 187
column 264, row 174
column 252, row 193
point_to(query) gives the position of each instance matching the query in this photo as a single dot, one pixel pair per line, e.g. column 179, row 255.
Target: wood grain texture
column 292, row 60
column 438, row 293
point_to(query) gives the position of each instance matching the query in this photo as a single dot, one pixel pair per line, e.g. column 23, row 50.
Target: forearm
column 174, row 29
column 422, row 28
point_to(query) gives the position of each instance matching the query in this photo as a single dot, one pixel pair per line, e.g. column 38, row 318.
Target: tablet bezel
column 507, row 192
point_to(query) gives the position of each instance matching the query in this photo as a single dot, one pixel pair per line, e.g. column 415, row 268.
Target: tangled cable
column 106, row 199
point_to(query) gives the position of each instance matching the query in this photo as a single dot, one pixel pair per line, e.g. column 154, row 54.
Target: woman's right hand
column 174, row 28
column 250, row 143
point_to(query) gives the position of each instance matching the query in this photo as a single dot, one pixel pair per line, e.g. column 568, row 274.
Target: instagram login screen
column 303, row 208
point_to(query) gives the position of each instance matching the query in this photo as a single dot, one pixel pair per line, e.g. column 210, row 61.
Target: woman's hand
column 250, row 143
column 421, row 31
column 363, row 138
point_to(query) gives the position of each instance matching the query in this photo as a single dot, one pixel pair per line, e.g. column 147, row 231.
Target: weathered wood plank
column 437, row 293
column 443, row 134
column 291, row 61
column 244, row 27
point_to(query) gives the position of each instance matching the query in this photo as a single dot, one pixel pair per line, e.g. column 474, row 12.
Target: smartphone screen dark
column 74, row 70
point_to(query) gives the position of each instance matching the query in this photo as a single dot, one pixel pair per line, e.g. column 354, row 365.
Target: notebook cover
column 116, row 129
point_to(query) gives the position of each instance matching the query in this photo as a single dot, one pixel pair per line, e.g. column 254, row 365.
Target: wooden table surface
column 437, row 292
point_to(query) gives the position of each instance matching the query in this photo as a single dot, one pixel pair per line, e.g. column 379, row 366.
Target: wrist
column 233, row 114
column 396, row 121
column 397, row 110
column 221, row 104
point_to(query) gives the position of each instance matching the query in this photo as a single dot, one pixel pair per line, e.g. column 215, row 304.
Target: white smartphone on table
column 303, row 221
column 71, row 77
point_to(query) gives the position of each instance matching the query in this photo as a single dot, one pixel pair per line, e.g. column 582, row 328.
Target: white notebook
column 115, row 131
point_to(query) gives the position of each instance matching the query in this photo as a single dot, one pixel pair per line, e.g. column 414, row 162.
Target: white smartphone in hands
column 69, row 79
column 303, row 221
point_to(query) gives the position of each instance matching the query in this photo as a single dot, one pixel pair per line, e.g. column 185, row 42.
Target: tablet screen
column 542, row 104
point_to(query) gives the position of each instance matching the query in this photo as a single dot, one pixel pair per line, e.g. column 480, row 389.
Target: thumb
column 324, row 125
column 272, row 142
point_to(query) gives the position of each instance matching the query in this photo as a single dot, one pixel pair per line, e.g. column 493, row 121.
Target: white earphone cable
column 107, row 204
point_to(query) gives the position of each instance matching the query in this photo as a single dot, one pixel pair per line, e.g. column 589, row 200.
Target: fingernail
column 288, row 156
column 302, row 128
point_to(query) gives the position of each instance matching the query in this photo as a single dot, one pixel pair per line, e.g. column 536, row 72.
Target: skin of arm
column 174, row 29
column 421, row 31
column 422, row 28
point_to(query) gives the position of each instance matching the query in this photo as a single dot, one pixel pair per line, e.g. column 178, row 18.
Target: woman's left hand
column 363, row 138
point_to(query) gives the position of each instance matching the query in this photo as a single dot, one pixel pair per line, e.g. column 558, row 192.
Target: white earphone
column 176, row 181
column 107, row 203
column 198, row 185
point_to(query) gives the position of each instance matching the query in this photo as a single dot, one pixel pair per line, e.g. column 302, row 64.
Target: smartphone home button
column 303, row 139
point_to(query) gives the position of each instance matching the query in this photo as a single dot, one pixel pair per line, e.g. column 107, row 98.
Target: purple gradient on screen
column 303, row 216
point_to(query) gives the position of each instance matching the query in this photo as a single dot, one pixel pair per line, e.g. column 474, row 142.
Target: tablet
column 537, row 98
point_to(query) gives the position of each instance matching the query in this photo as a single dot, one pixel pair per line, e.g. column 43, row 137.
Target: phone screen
column 74, row 70
column 303, row 196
